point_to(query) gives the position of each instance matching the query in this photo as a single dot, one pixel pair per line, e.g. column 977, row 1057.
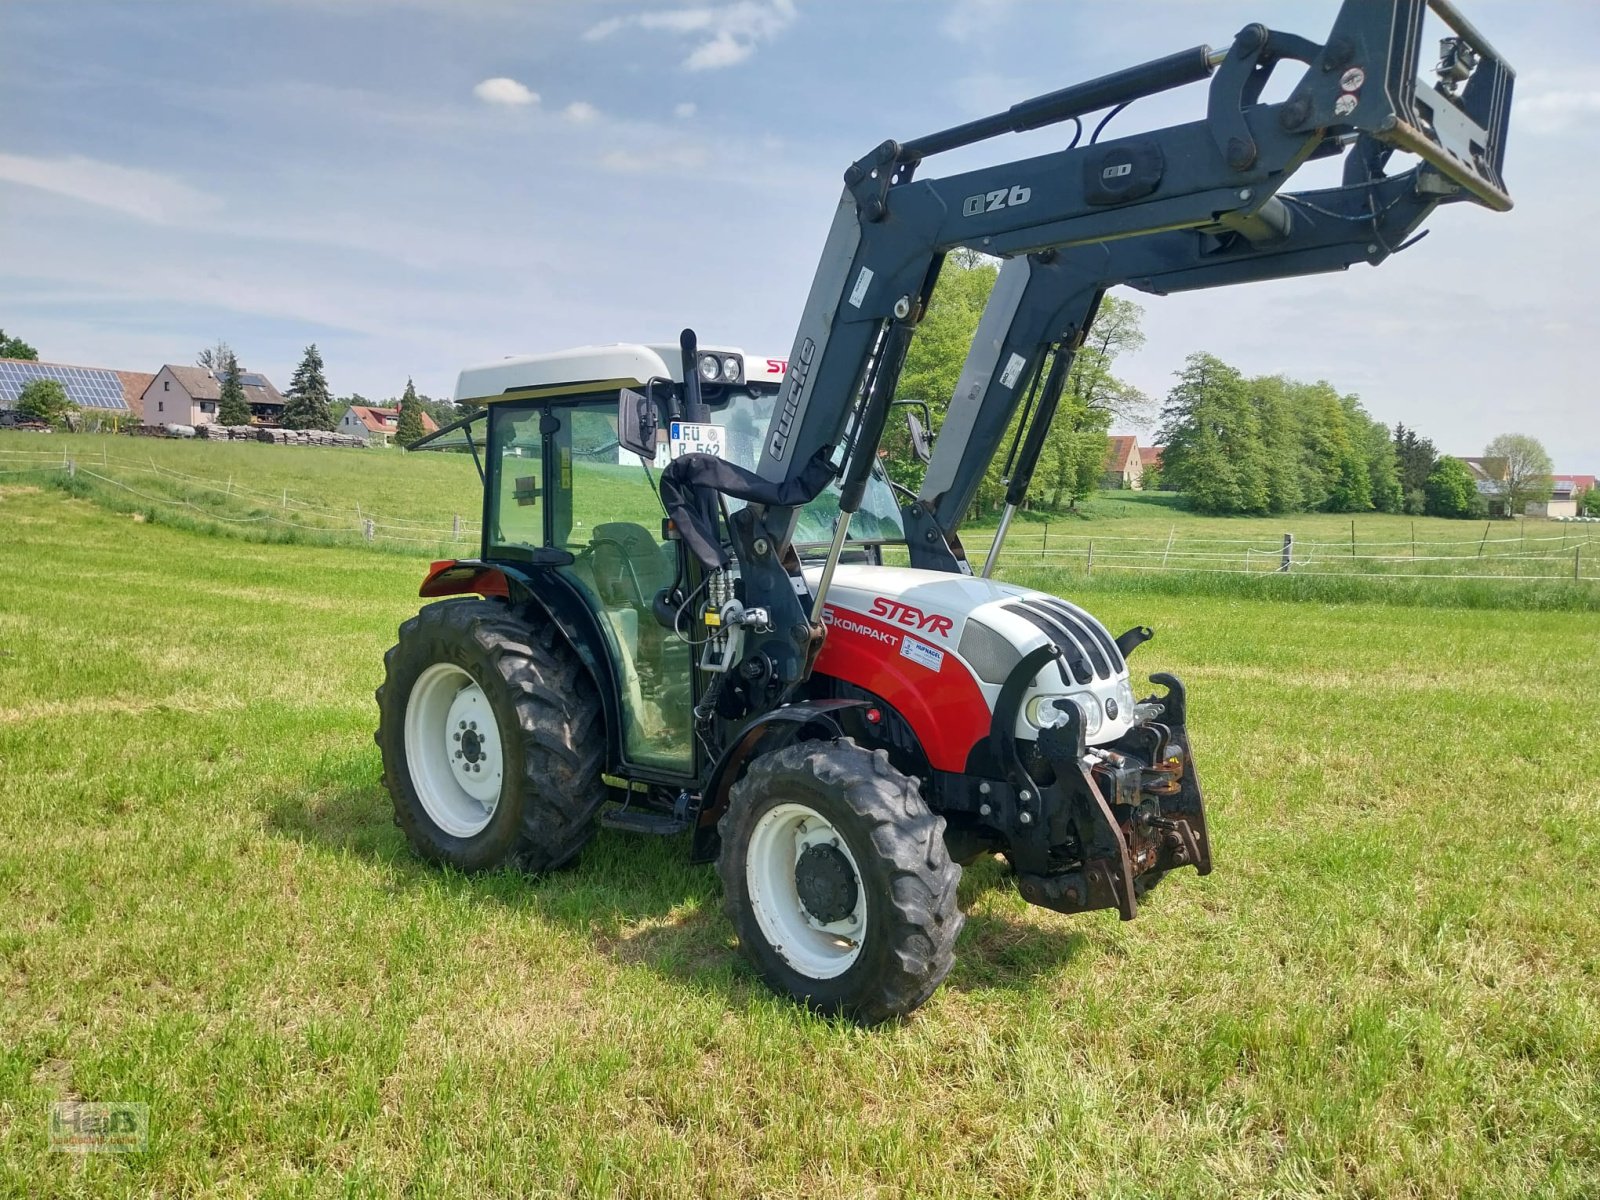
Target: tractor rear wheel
column 838, row 882
column 491, row 737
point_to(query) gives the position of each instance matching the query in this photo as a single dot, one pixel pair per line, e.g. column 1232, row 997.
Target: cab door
column 604, row 510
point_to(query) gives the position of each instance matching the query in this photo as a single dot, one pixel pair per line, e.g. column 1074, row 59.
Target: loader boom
column 1192, row 205
column 1042, row 306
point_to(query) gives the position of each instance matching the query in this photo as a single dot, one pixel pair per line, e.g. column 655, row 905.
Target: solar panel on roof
column 87, row 387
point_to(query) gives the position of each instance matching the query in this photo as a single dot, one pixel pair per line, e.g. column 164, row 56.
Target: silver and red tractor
column 689, row 614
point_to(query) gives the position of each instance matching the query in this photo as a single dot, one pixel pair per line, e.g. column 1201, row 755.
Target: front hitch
column 1132, row 811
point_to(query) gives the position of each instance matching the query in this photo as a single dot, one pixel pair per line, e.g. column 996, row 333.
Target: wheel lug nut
column 461, row 725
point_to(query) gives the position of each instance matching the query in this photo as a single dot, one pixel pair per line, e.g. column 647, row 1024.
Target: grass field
column 1387, row 988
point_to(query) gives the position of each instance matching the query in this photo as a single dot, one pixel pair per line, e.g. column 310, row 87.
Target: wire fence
column 1555, row 551
column 231, row 503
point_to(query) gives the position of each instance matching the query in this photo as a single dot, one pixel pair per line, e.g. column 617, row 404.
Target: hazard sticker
column 921, row 653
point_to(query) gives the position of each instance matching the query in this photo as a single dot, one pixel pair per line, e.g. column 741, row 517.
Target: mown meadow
column 1387, row 988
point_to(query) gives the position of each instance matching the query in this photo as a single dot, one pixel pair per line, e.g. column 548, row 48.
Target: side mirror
column 919, row 439
column 637, row 422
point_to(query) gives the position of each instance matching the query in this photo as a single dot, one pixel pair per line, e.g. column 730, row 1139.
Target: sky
column 417, row 185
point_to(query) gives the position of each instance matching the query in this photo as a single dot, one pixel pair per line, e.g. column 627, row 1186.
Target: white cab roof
column 621, row 364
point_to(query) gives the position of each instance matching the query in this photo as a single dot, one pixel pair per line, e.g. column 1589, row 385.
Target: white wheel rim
column 453, row 750
column 815, row 949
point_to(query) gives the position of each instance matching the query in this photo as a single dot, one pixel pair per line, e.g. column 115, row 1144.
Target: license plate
column 688, row 437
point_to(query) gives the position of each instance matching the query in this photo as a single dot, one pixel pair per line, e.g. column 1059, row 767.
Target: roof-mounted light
column 721, row 368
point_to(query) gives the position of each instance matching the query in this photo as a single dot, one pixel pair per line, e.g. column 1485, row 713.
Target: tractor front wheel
column 491, row 737
column 838, row 881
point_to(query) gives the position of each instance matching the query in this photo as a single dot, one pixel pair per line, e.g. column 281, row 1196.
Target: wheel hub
column 453, row 750
column 826, row 883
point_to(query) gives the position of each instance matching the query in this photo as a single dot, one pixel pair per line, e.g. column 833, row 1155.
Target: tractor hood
column 978, row 627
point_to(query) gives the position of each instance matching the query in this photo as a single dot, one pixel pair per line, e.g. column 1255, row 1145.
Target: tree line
column 1271, row 444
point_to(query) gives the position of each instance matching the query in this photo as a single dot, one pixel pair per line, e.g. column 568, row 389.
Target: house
column 377, row 425
column 180, row 395
column 1566, row 491
column 1124, row 467
column 1150, row 463
column 1488, row 476
column 92, row 389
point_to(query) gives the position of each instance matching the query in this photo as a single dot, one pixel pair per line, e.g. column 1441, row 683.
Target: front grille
column 1086, row 646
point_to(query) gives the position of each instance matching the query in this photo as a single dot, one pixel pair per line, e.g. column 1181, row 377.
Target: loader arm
column 1213, row 184
column 1043, row 305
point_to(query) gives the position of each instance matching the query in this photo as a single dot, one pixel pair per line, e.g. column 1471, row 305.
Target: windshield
column 744, row 416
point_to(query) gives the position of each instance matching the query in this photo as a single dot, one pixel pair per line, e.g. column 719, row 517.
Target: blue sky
column 420, row 184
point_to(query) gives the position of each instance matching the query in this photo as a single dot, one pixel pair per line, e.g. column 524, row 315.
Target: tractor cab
column 563, row 492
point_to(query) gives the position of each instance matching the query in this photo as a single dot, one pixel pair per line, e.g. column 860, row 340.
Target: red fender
column 453, row 577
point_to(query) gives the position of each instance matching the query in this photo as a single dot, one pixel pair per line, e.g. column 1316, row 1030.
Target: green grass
column 1387, row 988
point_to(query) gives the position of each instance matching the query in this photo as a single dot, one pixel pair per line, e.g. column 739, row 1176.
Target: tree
column 409, row 428
column 232, row 408
column 1280, row 434
column 933, row 363
column 1449, row 489
column 309, row 403
column 45, row 400
column 1416, row 457
column 216, row 358
column 1526, row 477
column 1074, row 457
column 1383, row 467
column 1213, row 449
column 15, row 347
column 1589, row 502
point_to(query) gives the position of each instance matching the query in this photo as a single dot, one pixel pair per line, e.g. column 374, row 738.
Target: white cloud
column 968, row 19
column 685, row 110
column 736, row 29
column 148, row 195
column 1555, row 111
column 580, row 111
column 656, row 160
column 508, row 92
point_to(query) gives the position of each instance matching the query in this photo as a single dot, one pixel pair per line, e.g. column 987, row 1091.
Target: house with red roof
column 1124, row 466
column 377, row 425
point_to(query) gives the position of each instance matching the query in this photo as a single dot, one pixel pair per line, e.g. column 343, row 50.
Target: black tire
column 547, row 713
column 905, row 873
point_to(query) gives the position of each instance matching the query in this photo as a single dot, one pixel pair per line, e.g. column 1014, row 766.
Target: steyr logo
column 902, row 613
column 994, row 201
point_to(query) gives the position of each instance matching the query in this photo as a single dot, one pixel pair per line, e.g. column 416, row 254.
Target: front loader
column 686, row 622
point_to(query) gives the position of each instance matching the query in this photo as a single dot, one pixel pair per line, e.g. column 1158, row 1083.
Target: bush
column 45, row 400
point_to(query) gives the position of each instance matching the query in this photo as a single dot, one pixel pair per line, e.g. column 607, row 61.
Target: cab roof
column 595, row 369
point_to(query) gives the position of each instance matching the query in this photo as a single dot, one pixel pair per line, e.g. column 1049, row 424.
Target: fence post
column 1044, row 546
column 455, row 527
column 1413, row 541
column 1352, row 537
column 366, row 528
column 1288, row 552
column 1485, row 538
column 72, row 468
column 1171, row 533
column 1576, row 550
column 1091, row 557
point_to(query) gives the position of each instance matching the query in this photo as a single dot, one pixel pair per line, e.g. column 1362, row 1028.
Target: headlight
column 710, row 368
column 732, row 368
column 1044, row 712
